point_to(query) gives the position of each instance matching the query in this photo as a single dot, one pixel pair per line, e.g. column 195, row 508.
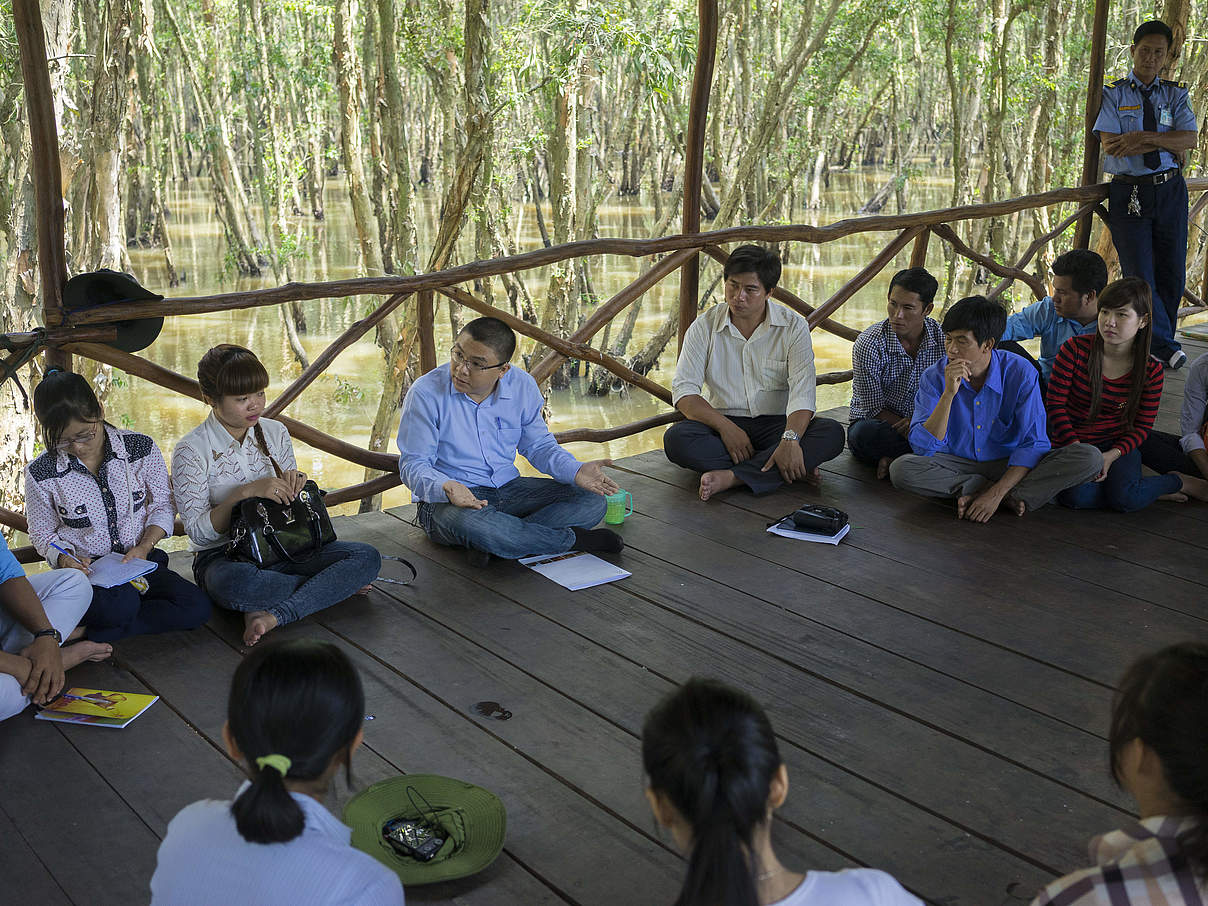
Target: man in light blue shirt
column 1145, row 124
column 1072, row 310
column 462, row 426
column 36, row 615
column 979, row 426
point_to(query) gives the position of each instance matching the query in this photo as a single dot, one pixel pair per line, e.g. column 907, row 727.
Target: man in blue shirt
column 1145, row 124
column 886, row 361
column 1072, row 310
column 36, row 615
column 462, row 426
column 978, row 429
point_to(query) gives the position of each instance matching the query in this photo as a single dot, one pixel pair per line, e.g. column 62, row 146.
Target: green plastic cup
column 620, row 505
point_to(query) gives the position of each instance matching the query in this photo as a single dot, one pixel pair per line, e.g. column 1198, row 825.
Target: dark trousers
column 1163, row 453
column 871, row 440
column 694, row 445
column 1153, row 246
column 1124, row 489
column 171, row 602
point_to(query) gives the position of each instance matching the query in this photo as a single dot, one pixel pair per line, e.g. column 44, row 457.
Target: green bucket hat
column 473, row 819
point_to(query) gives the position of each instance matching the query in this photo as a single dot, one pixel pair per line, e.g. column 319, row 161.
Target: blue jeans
column 523, row 518
column 289, row 591
column 171, row 602
column 870, row 439
column 1124, row 489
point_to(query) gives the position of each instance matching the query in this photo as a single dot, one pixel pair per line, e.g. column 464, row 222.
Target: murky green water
column 344, row 400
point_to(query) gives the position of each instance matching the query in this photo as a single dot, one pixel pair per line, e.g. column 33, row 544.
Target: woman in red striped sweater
column 1105, row 391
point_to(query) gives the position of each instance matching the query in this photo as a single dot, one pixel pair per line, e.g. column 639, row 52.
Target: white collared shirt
column 203, row 860
column 772, row 373
column 208, row 463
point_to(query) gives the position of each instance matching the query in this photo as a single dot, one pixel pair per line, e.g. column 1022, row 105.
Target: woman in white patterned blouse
column 234, row 455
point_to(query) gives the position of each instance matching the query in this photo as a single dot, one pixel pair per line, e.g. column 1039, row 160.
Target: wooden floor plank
column 854, row 816
column 94, row 845
column 27, row 880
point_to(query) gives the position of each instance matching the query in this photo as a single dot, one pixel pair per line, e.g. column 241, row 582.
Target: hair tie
column 49, row 371
column 280, row 762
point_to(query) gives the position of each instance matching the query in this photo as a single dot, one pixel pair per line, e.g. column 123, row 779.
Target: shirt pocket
column 509, row 438
column 774, row 375
column 1130, row 121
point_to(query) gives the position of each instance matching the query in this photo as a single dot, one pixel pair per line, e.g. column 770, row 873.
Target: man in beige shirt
column 757, row 426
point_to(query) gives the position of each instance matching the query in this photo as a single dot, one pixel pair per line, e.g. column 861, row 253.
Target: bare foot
column 1194, row 487
column 814, row 477
column 256, row 624
column 962, row 504
column 1018, row 507
column 78, row 652
column 1176, row 497
column 883, row 467
column 365, row 589
column 716, row 481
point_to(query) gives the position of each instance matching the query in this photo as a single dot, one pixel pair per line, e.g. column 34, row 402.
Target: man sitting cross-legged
column 886, row 362
column 757, row 428
column 462, row 425
column 979, row 426
column 36, row 615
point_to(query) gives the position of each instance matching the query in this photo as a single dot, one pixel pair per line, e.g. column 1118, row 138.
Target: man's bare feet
column 716, row 481
column 1194, row 487
column 814, row 477
column 78, row 652
column 883, row 467
column 365, row 589
column 962, row 504
column 1176, row 497
column 1018, row 507
column 256, row 624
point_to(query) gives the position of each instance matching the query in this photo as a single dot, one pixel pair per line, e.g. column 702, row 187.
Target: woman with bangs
column 1104, row 391
column 234, row 455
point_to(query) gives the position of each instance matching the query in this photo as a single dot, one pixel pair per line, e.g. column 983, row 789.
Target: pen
column 71, row 555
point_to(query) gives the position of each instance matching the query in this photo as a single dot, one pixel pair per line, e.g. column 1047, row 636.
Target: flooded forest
column 218, row 145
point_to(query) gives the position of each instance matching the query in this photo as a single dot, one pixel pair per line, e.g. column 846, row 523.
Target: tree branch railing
column 84, row 333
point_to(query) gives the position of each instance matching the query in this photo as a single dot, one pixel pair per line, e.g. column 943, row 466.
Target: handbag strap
column 406, row 563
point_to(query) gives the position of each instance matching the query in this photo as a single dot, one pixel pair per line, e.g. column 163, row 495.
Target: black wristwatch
column 52, row 631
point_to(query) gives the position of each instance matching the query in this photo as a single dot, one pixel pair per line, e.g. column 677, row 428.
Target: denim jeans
column 523, row 518
column 1124, row 489
column 171, row 602
column 288, row 591
column 870, row 439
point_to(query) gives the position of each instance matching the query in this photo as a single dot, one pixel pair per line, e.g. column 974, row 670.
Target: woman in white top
column 713, row 777
column 99, row 490
column 235, row 455
column 294, row 718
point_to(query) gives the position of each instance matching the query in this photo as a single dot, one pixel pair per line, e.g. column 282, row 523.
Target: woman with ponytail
column 1158, row 746
column 714, row 776
column 233, row 455
column 294, row 718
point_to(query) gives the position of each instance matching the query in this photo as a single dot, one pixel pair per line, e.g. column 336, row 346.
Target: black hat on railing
column 106, row 287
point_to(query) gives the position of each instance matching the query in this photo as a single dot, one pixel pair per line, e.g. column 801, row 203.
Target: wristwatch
column 790, row 434
column 58, row 636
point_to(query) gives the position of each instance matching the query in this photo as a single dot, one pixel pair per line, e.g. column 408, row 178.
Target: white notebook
column 575, row 569
column 109, row 570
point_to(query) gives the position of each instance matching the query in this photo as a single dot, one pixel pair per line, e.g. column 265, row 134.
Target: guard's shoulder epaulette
column 1123, row 80
column 1172, row 84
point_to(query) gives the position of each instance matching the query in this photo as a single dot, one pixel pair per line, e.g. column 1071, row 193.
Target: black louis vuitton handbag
column 267, row 532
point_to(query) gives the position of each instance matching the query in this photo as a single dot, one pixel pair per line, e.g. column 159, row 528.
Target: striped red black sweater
column 1068, row 402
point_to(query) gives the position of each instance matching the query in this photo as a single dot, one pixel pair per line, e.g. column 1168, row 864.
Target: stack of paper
column 575, row 569
column 785, row 528
column 110, row 571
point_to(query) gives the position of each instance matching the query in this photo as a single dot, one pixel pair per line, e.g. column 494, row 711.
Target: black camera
column 819, row 520
column 417, row 838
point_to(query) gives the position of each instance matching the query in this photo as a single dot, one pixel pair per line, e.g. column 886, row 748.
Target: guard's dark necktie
column 1149, row 122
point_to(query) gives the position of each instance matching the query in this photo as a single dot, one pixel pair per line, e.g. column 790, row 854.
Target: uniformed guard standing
column 1145, row 123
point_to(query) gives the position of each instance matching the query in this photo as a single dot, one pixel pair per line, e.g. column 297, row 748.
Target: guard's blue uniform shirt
column 1123, row 110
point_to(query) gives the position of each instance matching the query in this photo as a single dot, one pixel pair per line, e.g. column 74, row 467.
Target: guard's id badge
column 1165, row 117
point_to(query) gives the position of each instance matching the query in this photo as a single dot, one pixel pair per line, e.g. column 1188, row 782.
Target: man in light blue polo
column 1072, row 309
column 462, row 426
column 1145, row 124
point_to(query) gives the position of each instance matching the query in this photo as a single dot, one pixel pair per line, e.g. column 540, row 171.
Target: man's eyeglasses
column 79, row 440
column 457, row 359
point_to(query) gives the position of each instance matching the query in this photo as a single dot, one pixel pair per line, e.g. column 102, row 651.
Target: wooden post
column 918, row 253
column 427, row 331
column 1094, row 94
column 44, row 160
column 694, row 155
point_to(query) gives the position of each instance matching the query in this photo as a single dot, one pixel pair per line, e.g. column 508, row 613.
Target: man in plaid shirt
column 886, row 362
